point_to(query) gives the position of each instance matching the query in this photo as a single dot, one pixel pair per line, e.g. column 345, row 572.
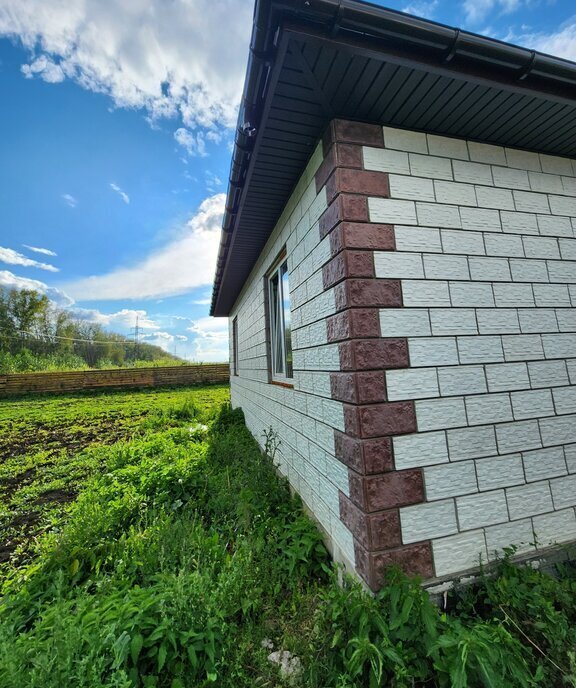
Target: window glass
column 287, row 319
column 280, row 323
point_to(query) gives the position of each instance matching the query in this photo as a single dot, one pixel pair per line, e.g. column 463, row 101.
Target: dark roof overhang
column 313, row 60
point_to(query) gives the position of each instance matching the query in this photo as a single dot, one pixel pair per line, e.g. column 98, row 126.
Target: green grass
column 43, row 462
column 183, row 552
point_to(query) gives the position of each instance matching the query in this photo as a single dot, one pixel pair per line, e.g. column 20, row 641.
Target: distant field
column 43, row 464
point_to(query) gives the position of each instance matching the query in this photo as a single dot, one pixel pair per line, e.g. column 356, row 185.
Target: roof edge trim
column 364, row 21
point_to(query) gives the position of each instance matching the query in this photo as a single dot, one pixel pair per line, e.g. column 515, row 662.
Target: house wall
column 304, row 418
column 433, row 416
column 486, row 257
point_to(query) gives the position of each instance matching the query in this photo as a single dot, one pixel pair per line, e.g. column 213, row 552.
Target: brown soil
column 15, row 482
column 55, row 437
column 62, row 496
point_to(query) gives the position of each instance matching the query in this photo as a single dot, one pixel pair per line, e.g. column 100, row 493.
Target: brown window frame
column 275, row 281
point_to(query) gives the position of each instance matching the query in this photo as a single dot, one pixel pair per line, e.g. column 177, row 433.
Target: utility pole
column 136, row 332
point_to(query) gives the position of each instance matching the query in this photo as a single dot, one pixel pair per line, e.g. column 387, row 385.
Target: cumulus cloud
column 421, row 8
column 561, row 43
column 164, row 340
column 204, row 299
column 8, row 255
column 194, row 144
column 37, row 249
column 123, row 195
column 478, row 10
column 188, row 261
column 45, row 67
column 70, row 200
column 210, row 339
column 213, row 182
column 125, row 318
column 166, row 336
column 165, row 57
column 11, row 281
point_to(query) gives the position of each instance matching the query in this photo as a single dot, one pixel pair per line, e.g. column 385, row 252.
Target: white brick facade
column 303, row 418
column 486, row 255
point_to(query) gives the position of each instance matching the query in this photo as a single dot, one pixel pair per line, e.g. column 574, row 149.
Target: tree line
column 36, row 335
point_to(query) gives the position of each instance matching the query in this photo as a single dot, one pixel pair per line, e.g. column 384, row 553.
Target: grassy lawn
column 42, row 462
column 148, row 543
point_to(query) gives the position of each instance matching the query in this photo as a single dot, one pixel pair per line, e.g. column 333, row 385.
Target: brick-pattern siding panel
column 485, row 253
column 377, row 408
column 304, row 418
column 432, row 420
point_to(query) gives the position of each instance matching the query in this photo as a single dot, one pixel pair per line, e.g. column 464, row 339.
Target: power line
column 48, row 338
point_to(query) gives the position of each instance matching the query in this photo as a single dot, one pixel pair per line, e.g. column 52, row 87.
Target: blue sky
column 117, row 121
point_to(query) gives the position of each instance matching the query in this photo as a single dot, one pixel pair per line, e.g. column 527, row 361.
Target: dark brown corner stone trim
column 365, row 456
column 354, row 323
column 339, row 155
column 362, row 235
column 387, row 491
column 345, row 207
column 373, row 354
column 372, row 531
column 415, row 560
column 380, row 420
column 368, row 182
column 376, row 490
column 348, row 264
column 346, row 131
column 359, row 388
column 361, row 293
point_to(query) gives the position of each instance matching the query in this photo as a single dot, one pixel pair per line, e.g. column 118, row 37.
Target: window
column 280, row 322
column 235, row 346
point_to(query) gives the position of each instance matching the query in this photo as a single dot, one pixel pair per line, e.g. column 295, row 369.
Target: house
column 398, row 264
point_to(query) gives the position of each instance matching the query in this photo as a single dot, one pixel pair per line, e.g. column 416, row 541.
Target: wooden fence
column 42, row 383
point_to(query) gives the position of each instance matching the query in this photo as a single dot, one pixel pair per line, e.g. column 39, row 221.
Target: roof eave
column 366, row 23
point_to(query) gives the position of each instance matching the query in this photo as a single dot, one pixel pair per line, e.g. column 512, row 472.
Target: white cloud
column 8, row 255
column 421, row 8
column 70, row 200
column 183, row 57
column 165, row 336
column 164, row 340
column 123, row 195
column 37, row 249
column 213, row 182
column 194, row 144
column 188, row 261
column 561, row 43
column 211, row 328
column 126, row 318
column 45, row 67
column 478, row 10
column 211, row 339
column 11, row 281
column 214, row 136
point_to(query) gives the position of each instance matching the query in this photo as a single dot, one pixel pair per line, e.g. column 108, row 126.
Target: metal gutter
column 431, row 42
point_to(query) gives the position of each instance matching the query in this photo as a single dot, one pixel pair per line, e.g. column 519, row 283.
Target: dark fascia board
column 401, row 37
